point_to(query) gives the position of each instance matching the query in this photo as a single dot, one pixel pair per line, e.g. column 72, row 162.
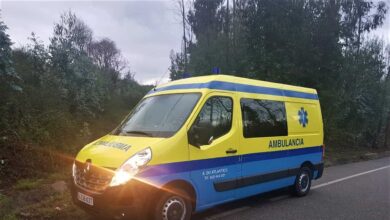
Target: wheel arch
column 183, row 185
column 310, row 165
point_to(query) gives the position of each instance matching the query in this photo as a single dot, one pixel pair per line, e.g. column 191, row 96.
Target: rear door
column 213, row 143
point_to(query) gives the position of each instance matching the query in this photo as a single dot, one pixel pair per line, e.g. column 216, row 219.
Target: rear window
column 263, row 118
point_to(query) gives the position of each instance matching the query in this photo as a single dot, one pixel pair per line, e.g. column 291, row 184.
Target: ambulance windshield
column 159, row 116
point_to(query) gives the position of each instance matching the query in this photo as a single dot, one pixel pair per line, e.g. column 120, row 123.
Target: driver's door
column 213, row 147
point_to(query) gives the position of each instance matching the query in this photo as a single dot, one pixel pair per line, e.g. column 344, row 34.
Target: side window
column 263, row 118
column 213, row 121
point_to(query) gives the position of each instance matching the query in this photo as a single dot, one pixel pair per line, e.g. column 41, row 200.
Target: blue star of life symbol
column 303, row 120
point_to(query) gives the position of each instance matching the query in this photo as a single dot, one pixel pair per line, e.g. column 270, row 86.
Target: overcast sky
column 145, row 31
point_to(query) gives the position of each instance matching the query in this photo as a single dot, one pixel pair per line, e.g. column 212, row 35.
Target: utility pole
column 228, row 36
column 184, row 35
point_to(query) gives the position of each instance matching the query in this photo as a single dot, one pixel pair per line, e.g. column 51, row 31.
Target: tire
column 302, row 182
column 173, row 206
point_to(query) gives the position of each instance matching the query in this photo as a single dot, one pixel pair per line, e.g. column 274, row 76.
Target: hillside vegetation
column 326, row 45
column 56, row 98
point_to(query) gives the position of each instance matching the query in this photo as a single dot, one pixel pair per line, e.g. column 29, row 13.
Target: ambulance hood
column 112, row 151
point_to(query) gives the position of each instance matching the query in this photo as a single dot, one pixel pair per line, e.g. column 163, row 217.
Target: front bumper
column 123, row 201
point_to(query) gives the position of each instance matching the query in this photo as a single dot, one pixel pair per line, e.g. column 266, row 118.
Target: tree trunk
column 382, row 118
column 359, row 26
column 387, row 132
column 386, row 105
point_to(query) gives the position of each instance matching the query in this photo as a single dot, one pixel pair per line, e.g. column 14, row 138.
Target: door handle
column 231, row 151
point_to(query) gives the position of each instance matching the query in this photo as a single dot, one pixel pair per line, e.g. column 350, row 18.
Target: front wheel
column 302, row 182
column 173, row 206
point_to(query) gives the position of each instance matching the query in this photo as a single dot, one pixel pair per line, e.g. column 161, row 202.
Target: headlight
column 131, row 167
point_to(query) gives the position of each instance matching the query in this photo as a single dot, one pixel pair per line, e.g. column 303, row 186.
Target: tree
column 69, row 97
column 386, row 104
column 10, row 87
column 71, row 33
column 177, row 67
column 358, row 18
column 107, row 56
column 206, row 21
column 318, row 44
column 69, row 60
column 70, row 39
column 8, row 75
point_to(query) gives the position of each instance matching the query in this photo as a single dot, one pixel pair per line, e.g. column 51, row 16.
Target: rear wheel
column 302, row 182
column 173, row 206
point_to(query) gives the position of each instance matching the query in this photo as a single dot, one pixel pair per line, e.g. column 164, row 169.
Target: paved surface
column 352, row 191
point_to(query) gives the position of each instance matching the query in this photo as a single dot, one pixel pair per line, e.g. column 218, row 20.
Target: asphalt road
column 352, row 191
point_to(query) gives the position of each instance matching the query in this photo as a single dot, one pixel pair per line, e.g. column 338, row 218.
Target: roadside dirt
column 49, row 199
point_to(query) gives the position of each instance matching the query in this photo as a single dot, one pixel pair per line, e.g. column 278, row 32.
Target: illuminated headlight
column 131, row 167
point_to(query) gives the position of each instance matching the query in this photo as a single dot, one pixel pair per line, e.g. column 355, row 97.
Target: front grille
column 95, row 179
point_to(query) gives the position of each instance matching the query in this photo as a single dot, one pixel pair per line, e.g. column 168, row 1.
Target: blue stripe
column 280, row 154
column 228, row 86
column 187, row 166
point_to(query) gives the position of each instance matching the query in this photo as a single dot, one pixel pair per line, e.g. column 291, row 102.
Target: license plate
column 84, row 198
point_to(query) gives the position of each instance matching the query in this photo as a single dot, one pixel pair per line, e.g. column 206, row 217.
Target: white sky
column 145, row 31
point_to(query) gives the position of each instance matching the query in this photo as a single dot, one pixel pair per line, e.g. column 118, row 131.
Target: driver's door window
column 213, row 121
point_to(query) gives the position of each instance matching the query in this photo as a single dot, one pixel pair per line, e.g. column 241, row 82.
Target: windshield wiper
column 139, row 132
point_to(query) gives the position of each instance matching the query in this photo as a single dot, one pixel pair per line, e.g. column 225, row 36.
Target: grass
column 36, row 199
column 57, row 206
column 27, row 184
column 10, row 216
column 59, row 176
column 335, row 156
column 4, row 202
column 6, row 211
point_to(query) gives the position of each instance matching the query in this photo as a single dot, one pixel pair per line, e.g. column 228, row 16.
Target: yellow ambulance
column 198, row 142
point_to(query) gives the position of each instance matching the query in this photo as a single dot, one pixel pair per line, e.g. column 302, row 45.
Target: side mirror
column 193, row 137
column 198, row 136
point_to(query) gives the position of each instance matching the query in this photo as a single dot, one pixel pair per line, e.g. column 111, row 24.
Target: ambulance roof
column 239, row 84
